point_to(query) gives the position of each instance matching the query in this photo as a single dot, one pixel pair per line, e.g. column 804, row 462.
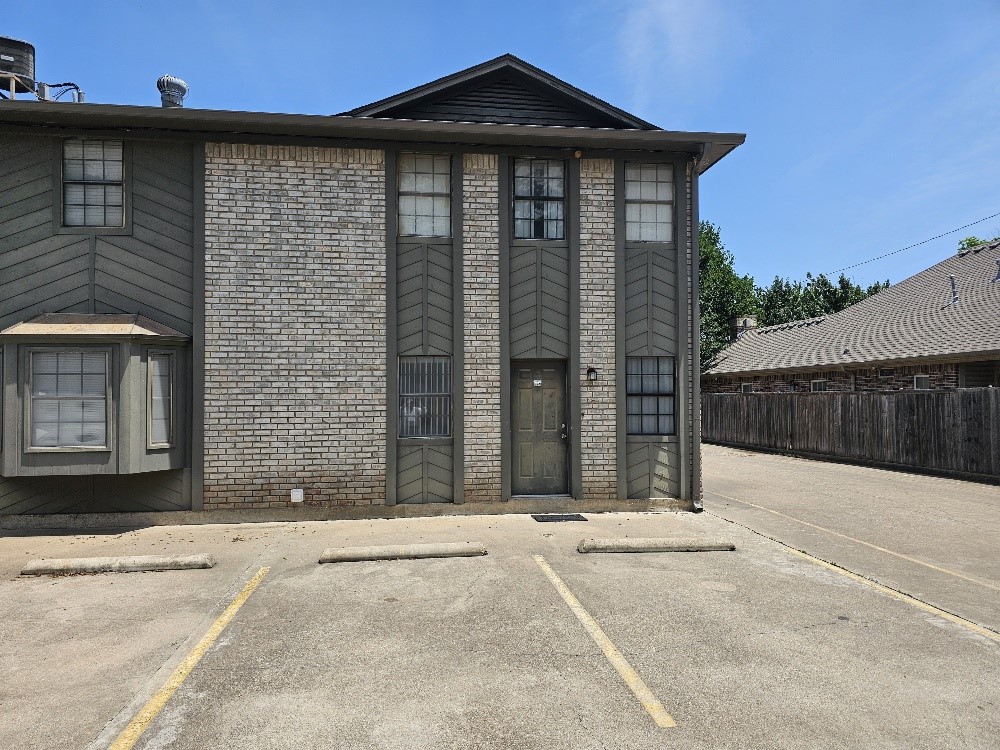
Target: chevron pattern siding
column 425, row 474
column 161, row 490
column 424, row 299
column 539, row 302
column 650, row 302
column 652, row 469
column 149, row 271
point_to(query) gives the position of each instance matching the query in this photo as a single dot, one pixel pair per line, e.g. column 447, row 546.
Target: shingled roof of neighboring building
column 914, row 319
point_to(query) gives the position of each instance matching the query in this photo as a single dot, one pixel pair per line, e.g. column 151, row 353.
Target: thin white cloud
column 670, row 47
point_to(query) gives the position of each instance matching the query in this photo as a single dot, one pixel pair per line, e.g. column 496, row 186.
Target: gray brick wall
column 481, row 269
column 597, row 329
column 294, row 325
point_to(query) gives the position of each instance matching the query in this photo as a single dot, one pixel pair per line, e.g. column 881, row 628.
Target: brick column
column 295, row 348
column 481, row 269
column 597, row 328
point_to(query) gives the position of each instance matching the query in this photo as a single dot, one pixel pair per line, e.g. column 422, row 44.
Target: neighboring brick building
column 477, row 290
column 935, row 330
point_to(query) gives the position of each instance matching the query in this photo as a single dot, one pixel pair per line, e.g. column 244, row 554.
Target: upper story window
column 649, row 202
column 69, row 399
column 539, row 199
column 424, row 195
column 93, row 183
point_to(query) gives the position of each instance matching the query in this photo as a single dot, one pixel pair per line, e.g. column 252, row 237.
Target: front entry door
column 538, row 423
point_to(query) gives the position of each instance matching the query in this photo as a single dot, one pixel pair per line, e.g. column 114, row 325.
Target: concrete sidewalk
column 933, row 538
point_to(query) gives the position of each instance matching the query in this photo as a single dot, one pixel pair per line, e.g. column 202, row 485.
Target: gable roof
column 505, row 90
column 914, row 319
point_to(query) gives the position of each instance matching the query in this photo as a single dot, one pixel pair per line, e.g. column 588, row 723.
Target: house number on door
column 536, row 383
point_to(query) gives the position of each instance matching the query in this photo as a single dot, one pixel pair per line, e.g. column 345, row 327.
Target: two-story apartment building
column 477, row 290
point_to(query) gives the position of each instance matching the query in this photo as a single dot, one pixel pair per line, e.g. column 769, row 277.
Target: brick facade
column 295, row 347
column 481, row 271
column 598, row 424
column 942, row 377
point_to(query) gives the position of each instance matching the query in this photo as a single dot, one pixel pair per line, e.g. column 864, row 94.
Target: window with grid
column 69, row 391
column 93, row 184
column 160, row 390
column 424, row 397
column 649, row 202
column 424, row 195
column 817, row 386
column 649, row 396
column 539, row 199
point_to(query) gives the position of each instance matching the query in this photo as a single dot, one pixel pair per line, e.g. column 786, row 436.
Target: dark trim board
column 197, row 455
column 695, row 228
column 391, row 349
column 621, row 465
column 574, row 407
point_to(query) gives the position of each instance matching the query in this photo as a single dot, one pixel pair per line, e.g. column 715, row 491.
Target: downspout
column 696, row 484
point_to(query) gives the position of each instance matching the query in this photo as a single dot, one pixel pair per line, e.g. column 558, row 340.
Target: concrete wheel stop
column 661, row 544
column 133, row 564
column 402, row 552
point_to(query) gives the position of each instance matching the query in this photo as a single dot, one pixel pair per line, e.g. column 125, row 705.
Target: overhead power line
column 917, row 244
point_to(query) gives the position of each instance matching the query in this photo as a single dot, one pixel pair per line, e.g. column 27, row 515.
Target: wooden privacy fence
column 951, row 432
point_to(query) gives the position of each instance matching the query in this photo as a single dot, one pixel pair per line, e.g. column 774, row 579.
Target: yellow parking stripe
column 971, row 579
column 944, row 614
column 151, row 710
column 613, row 655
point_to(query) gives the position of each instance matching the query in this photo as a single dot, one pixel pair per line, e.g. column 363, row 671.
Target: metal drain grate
column 557, row 517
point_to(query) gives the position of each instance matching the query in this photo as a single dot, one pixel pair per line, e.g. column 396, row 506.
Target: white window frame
column 917, row 377
column 816, row 382
column 172, row 369
column 28, row 400
column 746, row 387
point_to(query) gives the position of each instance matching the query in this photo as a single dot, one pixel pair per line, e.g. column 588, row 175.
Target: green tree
column 970, row 242
column 724, row 294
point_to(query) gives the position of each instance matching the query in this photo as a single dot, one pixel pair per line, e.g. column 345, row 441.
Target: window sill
column 652, row 438
column 68, row 449
column 425, row 440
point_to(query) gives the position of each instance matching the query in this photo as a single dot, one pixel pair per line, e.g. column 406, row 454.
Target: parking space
column 752, row 648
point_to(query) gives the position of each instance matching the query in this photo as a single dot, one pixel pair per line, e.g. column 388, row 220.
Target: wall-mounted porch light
column 591, row 373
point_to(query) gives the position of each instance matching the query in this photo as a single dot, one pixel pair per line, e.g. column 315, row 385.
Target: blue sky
column 870, row 125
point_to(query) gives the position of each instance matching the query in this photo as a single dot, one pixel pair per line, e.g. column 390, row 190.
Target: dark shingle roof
column 912, row 320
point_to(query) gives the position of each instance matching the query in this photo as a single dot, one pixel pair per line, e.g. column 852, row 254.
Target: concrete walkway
column 932, row 538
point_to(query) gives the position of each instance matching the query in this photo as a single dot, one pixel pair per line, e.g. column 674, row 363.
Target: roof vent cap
column 172, row 91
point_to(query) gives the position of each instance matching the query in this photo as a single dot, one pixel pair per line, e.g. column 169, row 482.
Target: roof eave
column 709, row 148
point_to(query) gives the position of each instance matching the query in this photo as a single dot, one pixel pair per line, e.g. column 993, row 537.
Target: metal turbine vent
column 172, row 90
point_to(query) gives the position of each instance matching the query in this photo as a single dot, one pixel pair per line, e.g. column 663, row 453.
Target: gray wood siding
column 424, row 299
column 146, row 268
column 650, row 302
column 652, row 469
column 425, row 473
column 162, row 490
column 505, row 100
column 425, row 309
column 149, row 271
column 539, row 302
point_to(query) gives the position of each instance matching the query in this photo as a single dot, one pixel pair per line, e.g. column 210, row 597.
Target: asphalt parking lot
column 762, row 647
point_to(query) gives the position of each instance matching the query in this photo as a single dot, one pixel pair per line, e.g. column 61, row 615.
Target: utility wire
column 916, row 244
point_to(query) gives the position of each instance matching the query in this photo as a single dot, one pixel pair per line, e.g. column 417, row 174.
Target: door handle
column 565, row 432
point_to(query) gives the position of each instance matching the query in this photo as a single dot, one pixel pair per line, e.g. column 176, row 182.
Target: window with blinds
column 424, row 397
column 650, row 385
column 160, row 425
column 93, row 183
column 539, row 199
column 424, row 195
column 649, row 202
column 69, row 392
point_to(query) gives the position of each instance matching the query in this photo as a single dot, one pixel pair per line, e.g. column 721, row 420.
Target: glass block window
column 69, row 391
column 424, row 195
column 160, row 375
column 424, row 397
column 649, row 202
column 539, row 199
column 650, row 385
column 93, row 184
